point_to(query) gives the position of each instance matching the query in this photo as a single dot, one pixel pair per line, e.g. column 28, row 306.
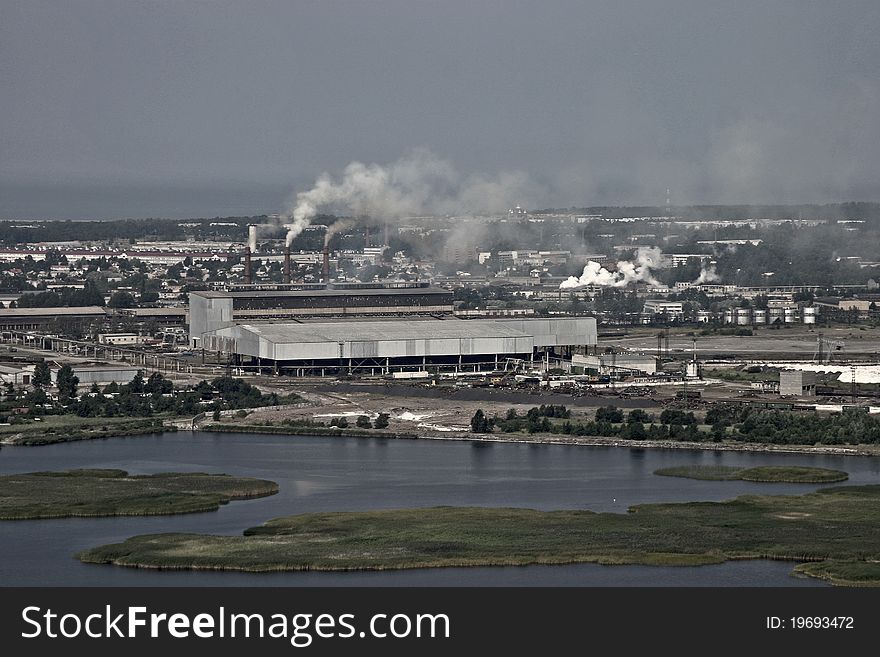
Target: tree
column 638, row 415
column 42, row 375
column 609, row 414
column 479, row 423
column 137, row 383
column 66, row 381
column 121, row 300
column 381, row 422
column 363, row 422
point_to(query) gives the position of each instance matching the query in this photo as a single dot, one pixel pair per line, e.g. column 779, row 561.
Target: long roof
column 268, row 294
column 41, row 312
column 379, row 330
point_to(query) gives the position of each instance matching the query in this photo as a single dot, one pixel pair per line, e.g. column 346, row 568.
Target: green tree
column 42, row 375
column 609, row 414
column 137, row 383
column 479, row 422
column 121, row 300
column 638, row 415
column 66, row 381
column 363, row 422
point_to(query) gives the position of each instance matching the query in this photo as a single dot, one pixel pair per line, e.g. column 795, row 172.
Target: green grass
column 764, row 474
column 66, row 428
column 89, row 493
column 840, row 523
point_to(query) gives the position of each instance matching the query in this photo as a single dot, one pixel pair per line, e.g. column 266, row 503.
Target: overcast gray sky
column 598, row 102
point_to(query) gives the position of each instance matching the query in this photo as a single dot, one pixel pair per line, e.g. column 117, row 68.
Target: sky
column 212, row 107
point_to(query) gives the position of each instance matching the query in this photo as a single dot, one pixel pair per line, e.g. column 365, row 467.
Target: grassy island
column 764, row 474
column 90, row 493
column 841, row 523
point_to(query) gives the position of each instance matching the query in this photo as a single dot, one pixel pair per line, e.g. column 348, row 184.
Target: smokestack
column 287, row 264
column 366, row 236
column 326, row 268
column 247, row 266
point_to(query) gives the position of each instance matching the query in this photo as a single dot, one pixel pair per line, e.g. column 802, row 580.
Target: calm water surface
column 349, row 474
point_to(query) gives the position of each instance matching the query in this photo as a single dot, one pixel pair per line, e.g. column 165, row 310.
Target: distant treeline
column 723, row 422
column 23, row 232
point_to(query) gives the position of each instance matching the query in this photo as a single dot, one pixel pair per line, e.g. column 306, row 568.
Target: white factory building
column 378, row 346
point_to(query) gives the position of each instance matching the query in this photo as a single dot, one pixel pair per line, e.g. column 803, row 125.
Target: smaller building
column 120, row 339
column 618, row 364
column 671, row 309
column 101, row 374
column 17, row 375
column 797, row 383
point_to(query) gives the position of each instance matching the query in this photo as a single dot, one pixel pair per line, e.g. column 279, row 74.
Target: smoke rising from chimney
column 626, row 273
column 420, row 183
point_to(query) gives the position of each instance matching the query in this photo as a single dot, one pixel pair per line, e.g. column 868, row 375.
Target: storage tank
column 791, row 315
column 729, row 316
column 704, row 316
column 743, row 316
column 759, row 315
column 774, row 315
column 810, row 314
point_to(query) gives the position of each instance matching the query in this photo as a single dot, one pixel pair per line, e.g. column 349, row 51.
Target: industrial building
column 382, row 347
column 212, row 310
column 30, row 319
column 617, row 364
column 671, row 309
column 797, row 383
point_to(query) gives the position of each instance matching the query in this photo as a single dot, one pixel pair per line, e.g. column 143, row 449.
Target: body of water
column 350, row 474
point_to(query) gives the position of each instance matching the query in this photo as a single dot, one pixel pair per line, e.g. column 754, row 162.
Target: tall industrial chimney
column 250, row 248
column 287, row 264
column 325, row 271
column 248, row 279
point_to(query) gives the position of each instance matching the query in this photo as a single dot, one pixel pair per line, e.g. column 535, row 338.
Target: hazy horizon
column 167, row 109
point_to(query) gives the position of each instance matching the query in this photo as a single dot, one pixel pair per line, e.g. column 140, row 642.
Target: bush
column 363, row 422
column 381, row 422
column 609, row 414
column 638, row 415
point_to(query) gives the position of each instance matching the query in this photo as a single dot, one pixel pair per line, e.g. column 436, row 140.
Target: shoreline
column 525, row 439
column 561, row 439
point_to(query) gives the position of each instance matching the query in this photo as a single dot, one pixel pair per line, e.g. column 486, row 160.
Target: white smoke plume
column 334, row 228
column 708, row 274
column 420, row 183
column 627, row 271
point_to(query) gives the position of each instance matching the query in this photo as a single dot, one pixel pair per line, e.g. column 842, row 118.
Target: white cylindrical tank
column 759, row 315
column 774, row 315
column 728, row 316
column 791, row 315
column 704, row 316
column 810, row 314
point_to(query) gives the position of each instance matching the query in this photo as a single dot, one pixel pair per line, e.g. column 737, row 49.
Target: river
column 347, row 474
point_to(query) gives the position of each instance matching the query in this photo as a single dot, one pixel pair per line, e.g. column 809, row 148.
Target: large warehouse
column 212, row 310
column 398, row 345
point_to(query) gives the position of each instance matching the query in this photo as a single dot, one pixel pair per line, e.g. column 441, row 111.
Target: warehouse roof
column 258, row 294
column 42, row 312
column 379, row 330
